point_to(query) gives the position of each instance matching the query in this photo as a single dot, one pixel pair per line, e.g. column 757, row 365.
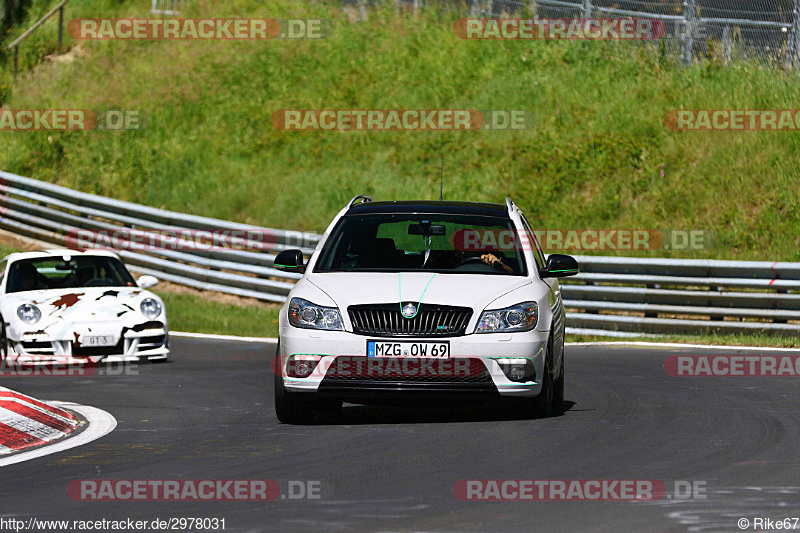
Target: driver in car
column 27, row 277
column 494, row 261
column 84, row 276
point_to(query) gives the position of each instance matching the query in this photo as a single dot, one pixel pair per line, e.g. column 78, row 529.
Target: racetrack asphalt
column 208, row 414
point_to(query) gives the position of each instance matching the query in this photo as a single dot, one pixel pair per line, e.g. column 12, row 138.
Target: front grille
column 38, row 347
column 430, row 321
column 151, row 343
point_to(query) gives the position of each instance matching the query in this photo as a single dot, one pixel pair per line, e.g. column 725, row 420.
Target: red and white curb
column 30, row 428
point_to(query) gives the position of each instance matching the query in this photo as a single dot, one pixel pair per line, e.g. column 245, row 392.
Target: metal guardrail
column 663, row 296
column 612, row 295
column 54, row 214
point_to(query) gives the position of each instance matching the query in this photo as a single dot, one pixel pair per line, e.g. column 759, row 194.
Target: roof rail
column 509, row 204
column 366, row 198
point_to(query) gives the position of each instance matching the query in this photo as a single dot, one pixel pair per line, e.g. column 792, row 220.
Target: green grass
column 5, row 250
column 189, row 312
column 599, row 155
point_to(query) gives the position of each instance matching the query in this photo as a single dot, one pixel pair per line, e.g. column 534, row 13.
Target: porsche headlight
column 29, row 313
column 304, row 314
column 521, row 317
column 150, row 307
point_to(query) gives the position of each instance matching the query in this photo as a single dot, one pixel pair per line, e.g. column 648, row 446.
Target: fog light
column 516, row 373
column 300, row 368
column 519, row 370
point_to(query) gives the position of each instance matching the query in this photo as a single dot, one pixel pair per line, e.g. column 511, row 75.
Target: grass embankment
column 599, row 155
column 593, row 160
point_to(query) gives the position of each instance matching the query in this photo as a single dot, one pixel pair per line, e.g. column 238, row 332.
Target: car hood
column 464, row 290
column 88, row 304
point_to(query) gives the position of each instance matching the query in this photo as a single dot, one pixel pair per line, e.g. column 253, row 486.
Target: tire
column 558, row 386
column 3, row 342
column 330, row 407
column 542, row 405
column 288, row 407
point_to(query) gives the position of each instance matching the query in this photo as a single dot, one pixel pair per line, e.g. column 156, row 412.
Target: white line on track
column 222, row 337
column 681, row 345
column 100, row 422
column 600, row 343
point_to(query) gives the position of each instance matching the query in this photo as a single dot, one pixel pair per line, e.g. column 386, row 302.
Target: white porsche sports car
column 408, row 301
column 58, row 305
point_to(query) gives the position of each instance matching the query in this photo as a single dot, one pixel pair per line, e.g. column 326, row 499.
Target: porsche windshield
column 459, row 244
column 56, row 273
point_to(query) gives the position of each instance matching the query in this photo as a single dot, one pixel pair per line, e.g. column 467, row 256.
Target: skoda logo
column 409, row 310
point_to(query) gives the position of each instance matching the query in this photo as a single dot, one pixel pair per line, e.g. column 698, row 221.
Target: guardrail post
column 687, row 50
column 16, row 59
column 362, row 9
column 793, row 43
column 60, row 27
column 587, row 9
column 726, row 43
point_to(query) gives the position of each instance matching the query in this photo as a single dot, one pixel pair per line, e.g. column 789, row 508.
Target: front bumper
column 148, row 341
column 473, row 368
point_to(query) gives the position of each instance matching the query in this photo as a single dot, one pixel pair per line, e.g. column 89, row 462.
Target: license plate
column 98, row 340
column 436, row 350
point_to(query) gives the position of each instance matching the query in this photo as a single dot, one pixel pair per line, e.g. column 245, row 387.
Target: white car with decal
column 67, row 305
column 406, row 301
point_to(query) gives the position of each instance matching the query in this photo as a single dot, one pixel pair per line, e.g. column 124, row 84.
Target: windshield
column 419, row 242
column 55, row 273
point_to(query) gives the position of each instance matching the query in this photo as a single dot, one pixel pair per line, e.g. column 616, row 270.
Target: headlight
column 521, row 317
column 304, row 314
column 29, row 313
column 150, row 307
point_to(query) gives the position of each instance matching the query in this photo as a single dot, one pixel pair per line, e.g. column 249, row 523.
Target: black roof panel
column 432, row 207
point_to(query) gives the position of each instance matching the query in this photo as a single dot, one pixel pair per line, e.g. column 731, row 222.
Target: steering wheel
column 98, row 282
column 473, row 259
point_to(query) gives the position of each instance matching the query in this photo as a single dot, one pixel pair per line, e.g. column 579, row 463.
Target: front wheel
column 542, row 405
column 288, row 407
column 3, row 342
column 558, row 386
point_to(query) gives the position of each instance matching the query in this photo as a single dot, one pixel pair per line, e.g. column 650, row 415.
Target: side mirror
column 145, row 282
column 559, row 266
column 290, row 261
